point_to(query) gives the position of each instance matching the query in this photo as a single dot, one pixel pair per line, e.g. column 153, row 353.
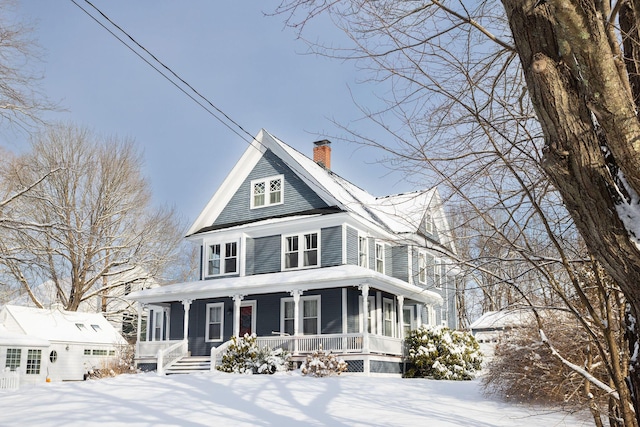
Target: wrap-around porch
column 357, row 321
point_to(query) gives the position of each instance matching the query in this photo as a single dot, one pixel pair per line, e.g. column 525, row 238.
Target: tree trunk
column 591, row 133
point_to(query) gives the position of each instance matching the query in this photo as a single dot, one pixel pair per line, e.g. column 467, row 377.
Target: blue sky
column 246, row 63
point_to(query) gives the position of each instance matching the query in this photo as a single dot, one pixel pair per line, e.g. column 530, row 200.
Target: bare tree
column 521, row 105
column 88, row 230
column 21, row 101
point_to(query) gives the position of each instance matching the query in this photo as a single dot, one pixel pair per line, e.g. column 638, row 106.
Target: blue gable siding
column 400, row 263
column 266, row 256
column 352, row 246
column 297, row 195
column 331, row 246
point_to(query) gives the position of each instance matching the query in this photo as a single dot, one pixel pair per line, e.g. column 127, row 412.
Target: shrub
column 244, row 357
column 123, row 363
column 322, row 364
column 438, row 352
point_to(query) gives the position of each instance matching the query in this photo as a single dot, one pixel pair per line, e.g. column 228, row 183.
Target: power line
column 163, row 74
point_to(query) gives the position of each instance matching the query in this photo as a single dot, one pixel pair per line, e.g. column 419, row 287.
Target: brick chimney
column 322, row 153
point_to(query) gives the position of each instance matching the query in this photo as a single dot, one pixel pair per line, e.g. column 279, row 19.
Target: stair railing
column 165, row 357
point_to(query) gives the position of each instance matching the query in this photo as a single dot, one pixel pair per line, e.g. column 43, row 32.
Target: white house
column 76, row 342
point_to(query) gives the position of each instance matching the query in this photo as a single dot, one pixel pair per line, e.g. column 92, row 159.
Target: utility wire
column 163, row 74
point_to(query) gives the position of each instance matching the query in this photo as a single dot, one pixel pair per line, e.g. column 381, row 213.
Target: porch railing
column 217, row 352
column 166, row 356
column 149, row 349
column 337, row 343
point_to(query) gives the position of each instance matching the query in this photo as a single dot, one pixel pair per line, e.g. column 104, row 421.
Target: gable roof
column 402, row 213
column 57, row 325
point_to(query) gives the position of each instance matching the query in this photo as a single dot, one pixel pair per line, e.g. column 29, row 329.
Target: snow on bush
column 322, row 364
column 443, row 354
column 244, row 357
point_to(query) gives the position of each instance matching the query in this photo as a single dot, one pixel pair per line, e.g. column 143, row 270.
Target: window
column 13, row 358
column 81, row 326
column 215, row 321
column 158, row 323
column 301, row 251
column 53, row 356
column 363, row 252
column 33, row 361
column 422, row 268
column 408, row 319
column 99, row 352
column 95, row 327
column 379, row 257
column 428, row 223
column 387, row 317
column 371, row 314
column 437, row 274
column 267, row 192
column 87, row 352
column 222, row 258
column 309, row 312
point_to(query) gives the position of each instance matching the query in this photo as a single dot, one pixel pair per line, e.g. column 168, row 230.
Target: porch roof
column 305, row 280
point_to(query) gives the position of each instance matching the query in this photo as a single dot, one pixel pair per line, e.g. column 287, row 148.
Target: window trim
column 223, row 258
column 388, row 302
column 382, row 259
column 372, row 316
column 422, row 267
column 267, row 191
column 437, row 273
column 318, row 300
column 363, row 253
column 206, row 331
column 301, row 250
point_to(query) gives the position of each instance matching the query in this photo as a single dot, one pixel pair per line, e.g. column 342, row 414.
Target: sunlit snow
column 268, row 400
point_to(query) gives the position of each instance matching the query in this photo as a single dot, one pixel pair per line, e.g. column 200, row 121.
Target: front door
column 247, row 318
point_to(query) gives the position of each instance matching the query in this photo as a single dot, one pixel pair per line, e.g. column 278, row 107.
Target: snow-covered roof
column 20, row 340
column 57, row 325
column 497, row 320
column 308, row 279
column 402, row 213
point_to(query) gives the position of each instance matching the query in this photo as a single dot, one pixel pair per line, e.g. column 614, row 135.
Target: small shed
column 78, row 342
column 489, row 326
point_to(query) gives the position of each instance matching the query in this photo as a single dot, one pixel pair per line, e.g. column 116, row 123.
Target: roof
column 307, row 279
column 402, row 213
column 20, row 340
column 497, row 320
column 57, row 325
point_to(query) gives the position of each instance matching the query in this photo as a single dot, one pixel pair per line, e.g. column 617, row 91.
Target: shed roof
column 58, row 325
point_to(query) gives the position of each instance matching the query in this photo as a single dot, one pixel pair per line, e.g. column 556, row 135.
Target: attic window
column 428, row 223
column 81, row 326
column 267, row 191
column 96, row 327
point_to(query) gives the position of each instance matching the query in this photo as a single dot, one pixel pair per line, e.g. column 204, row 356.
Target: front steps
column 189, row 365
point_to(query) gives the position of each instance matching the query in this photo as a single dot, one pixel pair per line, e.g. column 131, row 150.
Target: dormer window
column 222, row 258
column 267, row 191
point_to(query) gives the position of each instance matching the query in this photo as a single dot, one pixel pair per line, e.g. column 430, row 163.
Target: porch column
column 186, row 303
column 140, row 310
column 296, row 317
column 400, row 317
column 237, row 300
column 364, row 288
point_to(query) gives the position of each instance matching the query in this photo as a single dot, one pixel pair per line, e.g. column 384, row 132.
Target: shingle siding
column 297, row 195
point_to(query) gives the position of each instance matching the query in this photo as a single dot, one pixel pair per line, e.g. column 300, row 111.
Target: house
column 299, row 256
column 55, row 344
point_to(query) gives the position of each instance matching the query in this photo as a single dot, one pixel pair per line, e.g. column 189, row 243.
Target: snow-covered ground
column 267, row 400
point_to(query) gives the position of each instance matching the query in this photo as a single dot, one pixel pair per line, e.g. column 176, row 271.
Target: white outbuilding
column 77, row 342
